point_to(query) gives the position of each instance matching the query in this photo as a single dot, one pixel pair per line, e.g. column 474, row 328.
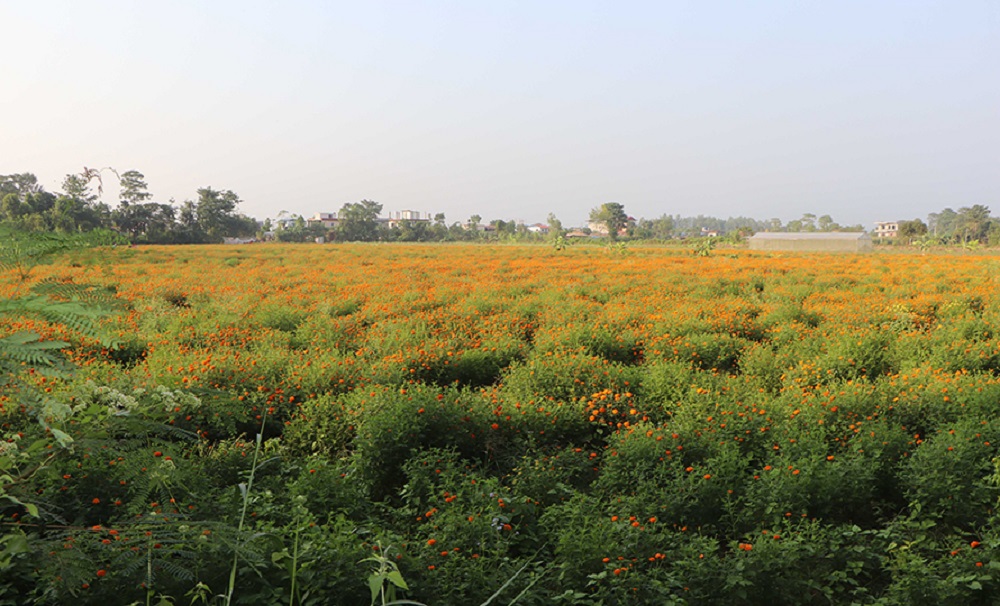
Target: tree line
column 967, row 224
column 214, row 215
column 26, row 206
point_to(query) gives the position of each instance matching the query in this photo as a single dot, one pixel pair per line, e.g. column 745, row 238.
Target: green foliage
column 21, row 252
column 398, row 424
column 358, row 221
column 549, row 444
column 703, row 247
column 612, row 216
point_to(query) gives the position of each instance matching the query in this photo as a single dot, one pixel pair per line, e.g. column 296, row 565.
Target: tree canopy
column 359, row 221
column 612, row 216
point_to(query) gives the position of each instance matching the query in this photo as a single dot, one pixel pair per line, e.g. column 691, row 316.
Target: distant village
column 330, row 221
column 214, row 217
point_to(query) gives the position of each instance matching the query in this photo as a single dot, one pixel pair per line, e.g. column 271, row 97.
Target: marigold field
column 584, row 426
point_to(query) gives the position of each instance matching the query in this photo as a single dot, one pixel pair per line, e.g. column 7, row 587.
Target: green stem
column 295, row 561
column 243, row 514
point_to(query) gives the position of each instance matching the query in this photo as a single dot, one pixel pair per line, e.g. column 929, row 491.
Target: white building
column 886, row 229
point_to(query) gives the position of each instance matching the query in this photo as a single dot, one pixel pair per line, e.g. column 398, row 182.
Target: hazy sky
column 863, row 110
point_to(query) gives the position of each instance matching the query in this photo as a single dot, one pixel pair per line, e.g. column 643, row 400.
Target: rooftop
column 826, row 235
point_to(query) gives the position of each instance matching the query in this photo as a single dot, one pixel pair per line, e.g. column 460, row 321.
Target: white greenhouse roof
column 831, row 235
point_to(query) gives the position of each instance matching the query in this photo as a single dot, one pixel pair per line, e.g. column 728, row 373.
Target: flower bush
column 555, row 426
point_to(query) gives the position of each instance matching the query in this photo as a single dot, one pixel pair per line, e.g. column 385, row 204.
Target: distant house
column 284, row 222
column 538, row 228
column 327, row 220
column 407, row 216
column 812, row 241
column 709, row 233
column 886, row 229
column 330, row 220
column 599, row 228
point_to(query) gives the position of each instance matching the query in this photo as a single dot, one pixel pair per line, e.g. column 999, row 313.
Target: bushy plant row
column 559, row 426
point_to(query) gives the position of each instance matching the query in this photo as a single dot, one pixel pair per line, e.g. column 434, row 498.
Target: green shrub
column 947, row 476
column 396, row 424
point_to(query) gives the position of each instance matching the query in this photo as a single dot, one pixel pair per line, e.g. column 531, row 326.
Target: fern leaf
column 28, row 348
column 94, row 296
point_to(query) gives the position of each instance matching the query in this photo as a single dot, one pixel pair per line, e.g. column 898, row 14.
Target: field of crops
column 582, row 426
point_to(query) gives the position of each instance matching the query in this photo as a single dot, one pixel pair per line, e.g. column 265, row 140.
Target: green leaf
column 13, row 544
column 396, row 579
column 375, row 584
column 62, row 438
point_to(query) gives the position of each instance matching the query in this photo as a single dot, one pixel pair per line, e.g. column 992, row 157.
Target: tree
column 217, row 216
column 439, row 231
column 20, row 184
column 556, row 229
column 149, row 222
column 73, row 214
column 133, row 188
column 612, row 216
column 943, row 224
column 808, row 222
column 12, row 208
column 912, row 229
column 826, row 223
column 412, row 231
column 78, row 187
column 974, row 222
column 656, row 229
column 503, row 228
column 358, row 221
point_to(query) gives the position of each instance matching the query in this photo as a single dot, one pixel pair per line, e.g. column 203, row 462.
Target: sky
column 863, row 110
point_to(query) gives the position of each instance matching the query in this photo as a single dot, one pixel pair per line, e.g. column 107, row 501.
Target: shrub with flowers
column 509, row 421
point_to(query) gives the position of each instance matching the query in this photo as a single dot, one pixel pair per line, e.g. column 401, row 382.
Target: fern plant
column 27, row 349
column 21, row 252
column 77, row 307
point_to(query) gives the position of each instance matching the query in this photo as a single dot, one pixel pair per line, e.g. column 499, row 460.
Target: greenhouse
column 812, row 241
